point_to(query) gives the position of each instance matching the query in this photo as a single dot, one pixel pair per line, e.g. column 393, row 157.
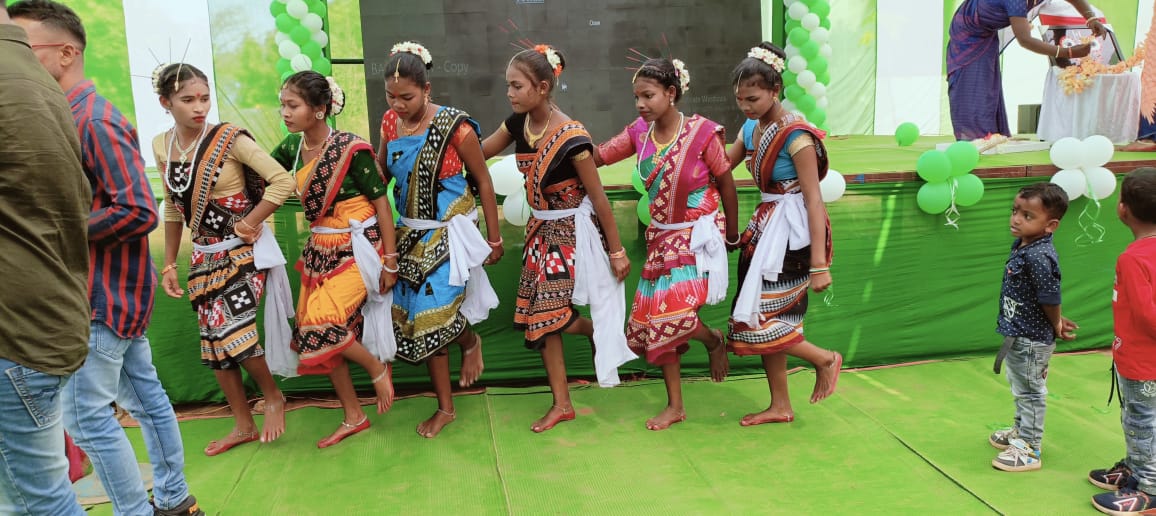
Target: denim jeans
column 121, row 370
column 33, row 468
column 1027, row 372
column 1138, row 419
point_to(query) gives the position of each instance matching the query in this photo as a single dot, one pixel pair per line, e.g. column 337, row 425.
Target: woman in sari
column 425, row 147
column 974, row 86
column 563, row 239
column 348, row 264
column 221, row 185
column 683, row 164
column 786, row 247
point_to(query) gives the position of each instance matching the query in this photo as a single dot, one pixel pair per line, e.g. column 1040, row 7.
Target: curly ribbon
column 829, row 296
column 1092, row 232
column 952, row 214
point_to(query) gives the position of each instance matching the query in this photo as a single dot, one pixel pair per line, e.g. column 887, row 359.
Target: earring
column 319, row 115
column 672, row 102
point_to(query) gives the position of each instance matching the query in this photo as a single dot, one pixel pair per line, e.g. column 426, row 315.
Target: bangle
column 389, row 255
column 736, row 242
column 1058, row 51
column 495, row 244
column 817, row 270
column 391, row 271
column 167, row 268
column 620, row 253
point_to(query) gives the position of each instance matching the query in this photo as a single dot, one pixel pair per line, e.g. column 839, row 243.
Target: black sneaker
column 186, row 508
column 1125, row 501
column 1111, row 479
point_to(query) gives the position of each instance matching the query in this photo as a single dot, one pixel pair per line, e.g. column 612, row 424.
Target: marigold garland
column 1077, row 78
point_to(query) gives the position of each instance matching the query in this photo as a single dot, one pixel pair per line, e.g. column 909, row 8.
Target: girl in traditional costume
column 348, row 265
column 683, row 165
column 786, row 248
column 565, row 258
column 442, row 289
column 221, row 185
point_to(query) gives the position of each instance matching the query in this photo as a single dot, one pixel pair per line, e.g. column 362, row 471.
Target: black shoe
column 186, row 508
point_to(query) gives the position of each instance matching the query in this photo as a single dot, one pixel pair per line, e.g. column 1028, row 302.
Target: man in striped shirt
column 122, row 281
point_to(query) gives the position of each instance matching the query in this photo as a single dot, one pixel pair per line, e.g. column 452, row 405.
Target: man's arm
column 127, row 208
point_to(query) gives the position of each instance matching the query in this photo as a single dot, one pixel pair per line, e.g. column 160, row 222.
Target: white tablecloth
column 1110, row 107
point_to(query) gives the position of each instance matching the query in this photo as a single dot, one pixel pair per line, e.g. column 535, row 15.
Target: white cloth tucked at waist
column 710, row 252
column 593, row 281
column 377, row 335
column 786, row 228
column 468, row 253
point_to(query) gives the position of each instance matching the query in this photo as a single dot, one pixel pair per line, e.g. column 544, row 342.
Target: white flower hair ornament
column 768, row 57
column 416, row 49
column 157, row 77
column 682, row 74
column 337, row 105
column 551, row 57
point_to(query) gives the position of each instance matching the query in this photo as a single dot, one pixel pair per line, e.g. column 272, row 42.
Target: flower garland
column 682, row 74
column 1078, row 77
column 416, row 49
column 768, row 57
column 551, row 57
column 337, row 105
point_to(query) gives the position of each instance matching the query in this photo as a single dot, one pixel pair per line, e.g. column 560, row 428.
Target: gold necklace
column 410, row 132
column 185, row 152
column 677, row 130
column 531, row 138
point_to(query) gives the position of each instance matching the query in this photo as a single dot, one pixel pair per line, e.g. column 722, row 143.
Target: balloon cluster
column 508, row 181
column 950, row 182
column 301, row 37
column 1082, row 173
column 806, row 78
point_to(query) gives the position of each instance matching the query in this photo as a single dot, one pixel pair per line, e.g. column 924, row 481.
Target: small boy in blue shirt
column 1030, row 320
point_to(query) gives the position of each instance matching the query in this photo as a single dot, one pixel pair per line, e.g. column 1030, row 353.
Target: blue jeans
column 121, row 370
column 1027, row 372
column 1138, row 419
column 33, row 468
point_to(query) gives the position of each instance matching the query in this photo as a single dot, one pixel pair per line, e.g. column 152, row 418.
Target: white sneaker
column 1017, row 457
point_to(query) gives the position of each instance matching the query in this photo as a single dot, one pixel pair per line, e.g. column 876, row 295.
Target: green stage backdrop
column 906, row 288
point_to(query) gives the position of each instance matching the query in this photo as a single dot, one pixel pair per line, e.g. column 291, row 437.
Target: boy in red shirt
column 1132, row 481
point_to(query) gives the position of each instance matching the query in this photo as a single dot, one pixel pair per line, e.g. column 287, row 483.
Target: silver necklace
column 649, row 133
column 196, row 147
column 297, row 158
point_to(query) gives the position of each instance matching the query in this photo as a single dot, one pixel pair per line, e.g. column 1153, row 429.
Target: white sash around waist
column 593, row 279
column 786, row 227
column 710, row 253
column 267, row 256
column 377, row 335
column 468, row 252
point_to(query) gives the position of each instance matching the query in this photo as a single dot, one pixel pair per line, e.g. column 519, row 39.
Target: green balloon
column 322, row 66
column 639, row 185
column 794, row 92
column 817, row 64
column 284, row 22
column 799, row 36
column 311, row 49
column 933, row 166
column 817, row 116
column 276, row 8
column 790, row 78
column 809, row 50
column 805, row 104
column 824, row 77
column 964, row 157
column 821, row 8
column 389, row 190
column 284, row 66
column 317, row 7
column 300, row 35
column 643, row 211
column 934, row 198
column 968, row 189
column 792, row 25
column 825, row 22
column 906, row 134
column 285, row 76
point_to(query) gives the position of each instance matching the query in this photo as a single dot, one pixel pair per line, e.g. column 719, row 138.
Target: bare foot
column 234, row 438
column 472, row 363
column 274, row 424
column 767, row 416
column 432, row 426
column 553, row 416
column 383, row 386
column 826, row 377
column 664, row 419
column 720, row 362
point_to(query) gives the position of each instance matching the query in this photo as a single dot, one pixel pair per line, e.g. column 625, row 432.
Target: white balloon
column 820, row 35
column 832, row 186
column 297, row 8
column 817, row 90
column 798, row 10
column 797, row 64
column 791, row 51
column 806, row 79
column 300, row 63
column 321, row 38
column 1101, row 182
column 505, row 176
column 515, row 209
column 1067, row 153
column 288, row 49
column 825, row 50
column 788, row 105
column 810, row 21
column 1072, row 181
column 789, row 3
column 1098, row 150
column 280, row 37
column 822, row 102
column 312, row 22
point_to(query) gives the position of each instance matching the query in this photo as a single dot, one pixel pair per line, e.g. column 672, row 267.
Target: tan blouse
column 245, row 151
